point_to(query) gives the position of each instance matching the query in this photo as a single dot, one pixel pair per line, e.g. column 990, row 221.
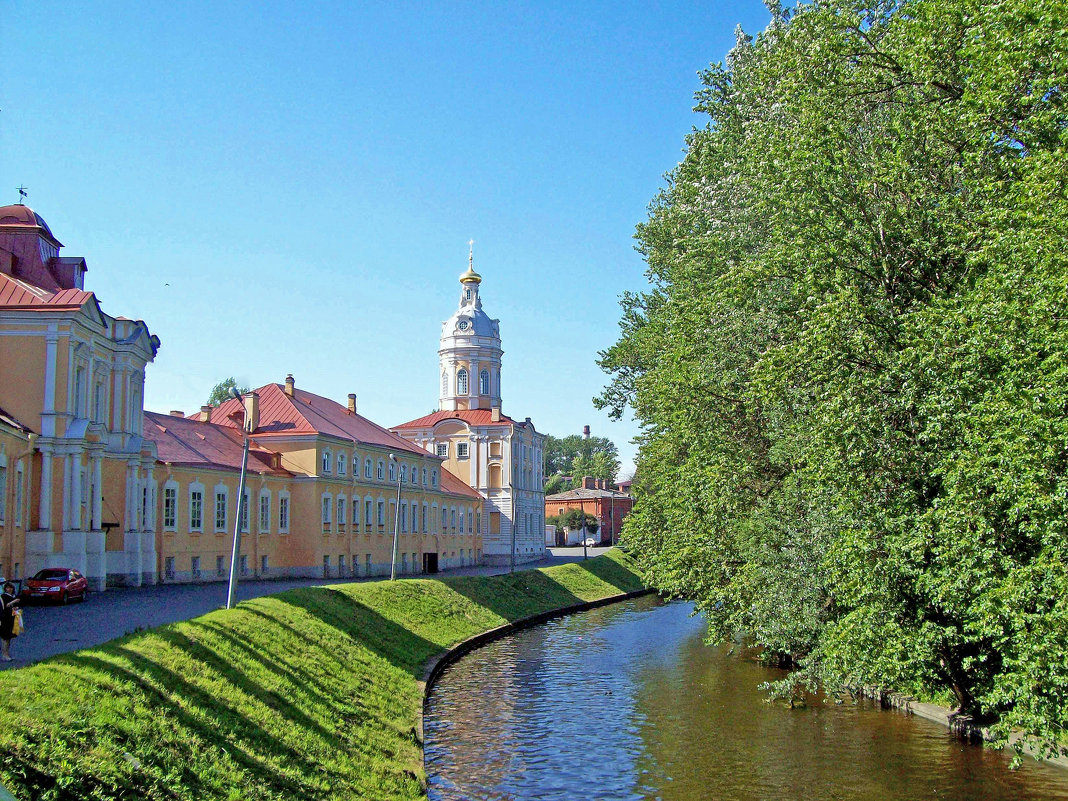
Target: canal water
column 627, row 702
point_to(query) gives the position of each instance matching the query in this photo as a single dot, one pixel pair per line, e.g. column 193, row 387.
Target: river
column 627, row 702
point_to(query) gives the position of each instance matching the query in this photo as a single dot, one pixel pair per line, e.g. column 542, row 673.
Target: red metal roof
column 14, row 292
column 308, row 413
column 184, row 441
column 454, row 485
column 474, row 417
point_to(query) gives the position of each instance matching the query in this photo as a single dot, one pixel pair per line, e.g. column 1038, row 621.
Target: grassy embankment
column 310, row 694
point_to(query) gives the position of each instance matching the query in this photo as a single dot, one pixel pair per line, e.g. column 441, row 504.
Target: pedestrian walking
column 9, row 603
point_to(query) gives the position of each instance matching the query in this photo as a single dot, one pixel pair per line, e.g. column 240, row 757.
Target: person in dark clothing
column 9, row 602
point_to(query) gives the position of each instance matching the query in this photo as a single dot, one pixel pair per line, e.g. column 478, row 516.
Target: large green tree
column 850, row 363
column 221, row 391
column 578, row 456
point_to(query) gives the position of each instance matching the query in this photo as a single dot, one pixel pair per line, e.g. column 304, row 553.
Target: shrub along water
column 313, row 693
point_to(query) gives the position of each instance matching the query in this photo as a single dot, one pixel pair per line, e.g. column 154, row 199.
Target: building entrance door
column 430, row 563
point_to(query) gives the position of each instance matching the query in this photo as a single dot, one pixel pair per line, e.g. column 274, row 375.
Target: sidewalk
column 52, row 630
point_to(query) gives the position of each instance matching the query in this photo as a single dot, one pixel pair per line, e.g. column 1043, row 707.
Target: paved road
column 52, row 630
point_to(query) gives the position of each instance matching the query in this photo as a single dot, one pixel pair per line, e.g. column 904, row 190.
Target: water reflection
column 626, row 702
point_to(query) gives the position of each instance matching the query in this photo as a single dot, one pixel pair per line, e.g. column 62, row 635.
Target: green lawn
column 310, row 694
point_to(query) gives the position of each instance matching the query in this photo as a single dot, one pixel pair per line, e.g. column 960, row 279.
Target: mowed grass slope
column 310, row 694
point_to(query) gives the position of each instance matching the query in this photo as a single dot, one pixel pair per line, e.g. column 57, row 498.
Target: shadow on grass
column 226, row 729
column 391, row 641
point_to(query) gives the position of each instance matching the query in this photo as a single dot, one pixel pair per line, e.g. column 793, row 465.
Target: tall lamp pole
column 396, row 521
column 230, row 597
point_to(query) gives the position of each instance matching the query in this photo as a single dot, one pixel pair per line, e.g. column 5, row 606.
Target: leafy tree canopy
column 221, row 391
column 851, row 364
column 599, row 456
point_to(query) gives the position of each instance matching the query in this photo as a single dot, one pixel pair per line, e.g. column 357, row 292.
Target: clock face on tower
column 462, row 325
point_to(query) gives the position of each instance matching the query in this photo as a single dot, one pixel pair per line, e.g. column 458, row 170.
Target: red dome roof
column 24, row 216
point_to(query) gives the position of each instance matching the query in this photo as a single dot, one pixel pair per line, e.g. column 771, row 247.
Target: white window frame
column 223, row 492
column 461, row 381
column 283, row 512
column 327, row 505
column 326, row 461
column 483, row 383
column 381, row 470
column 463, row 450
column 368, row 467
column 342, row 460
column 442, row 450
column 196, row 522
column 342, row 512
column 265, row 511
column 170, row 488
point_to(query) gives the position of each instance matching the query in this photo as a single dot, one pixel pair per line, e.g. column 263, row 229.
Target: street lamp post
column 396, row 521
column 230, row 596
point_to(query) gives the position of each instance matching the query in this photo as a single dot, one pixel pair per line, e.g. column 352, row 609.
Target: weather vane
column 23, row 192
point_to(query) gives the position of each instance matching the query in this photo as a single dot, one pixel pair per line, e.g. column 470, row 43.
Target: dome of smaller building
column 24, row 217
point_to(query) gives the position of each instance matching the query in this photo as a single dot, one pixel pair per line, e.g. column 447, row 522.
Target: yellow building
column 73, row 376
column 500, row 457
column 321, row 494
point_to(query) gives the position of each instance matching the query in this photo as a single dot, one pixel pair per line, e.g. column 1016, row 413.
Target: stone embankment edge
column 437, row 664
column 959, row 724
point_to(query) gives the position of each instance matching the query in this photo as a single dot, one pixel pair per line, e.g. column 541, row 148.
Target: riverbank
column 315, row 693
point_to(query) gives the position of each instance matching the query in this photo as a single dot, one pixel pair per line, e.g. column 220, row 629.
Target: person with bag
column 9, row 605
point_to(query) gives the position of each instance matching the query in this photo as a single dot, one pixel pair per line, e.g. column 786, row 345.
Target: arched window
column 483, row 383
column 341, row 460
column 461, row 382
column 367, row 468
column 326, row 461
column 404, row 473
column 381, row 470
column 392, row 471
column 444, row 383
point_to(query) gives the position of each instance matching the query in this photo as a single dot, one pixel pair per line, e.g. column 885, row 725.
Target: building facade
column 73, row 377
column 320, row 498
column 500, row 457
column 604, row 500
column 89, row 480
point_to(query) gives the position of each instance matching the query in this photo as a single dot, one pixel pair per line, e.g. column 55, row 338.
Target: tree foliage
column 572, row 519
column 221, row 391
column 850, row 366
column 581, row 456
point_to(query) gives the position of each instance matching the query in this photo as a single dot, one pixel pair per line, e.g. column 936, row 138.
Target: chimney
column 495, row 414
column 290, row 383
column 589, row 482
column 352, row 403
column 252, row 411
column 177, row 413
column 585, row 432
column 205, row 414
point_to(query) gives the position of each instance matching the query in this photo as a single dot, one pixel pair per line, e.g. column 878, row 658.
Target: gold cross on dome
column 23, row 192
column 471, row 253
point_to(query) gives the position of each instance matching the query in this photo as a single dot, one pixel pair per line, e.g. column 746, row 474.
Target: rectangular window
column 244, row 511
column 326, row 513
column 341, row 512
column 443, row 450
column 196, row 510
column 355, row 512
column 263, row 565
column 220, row 511
column 326, row 567
column 195, row 567
column 168, row 567
column 244, row 565
column 18, row 496
column 367, row 517
column 265, row 513
column 283, row 514
column 404, row 517
column 461, row 450
column 170, row 507
column 340, row 565
column 220, row 566
column 381, row 513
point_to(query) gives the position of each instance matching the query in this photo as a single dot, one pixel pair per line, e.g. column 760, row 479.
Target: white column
column 98, row 491
column 45, row 510
column 68, row 484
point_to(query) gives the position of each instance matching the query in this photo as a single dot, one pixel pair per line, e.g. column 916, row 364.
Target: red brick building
column 597, row 497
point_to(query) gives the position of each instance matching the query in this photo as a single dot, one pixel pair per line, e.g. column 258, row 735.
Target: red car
column 60, row 584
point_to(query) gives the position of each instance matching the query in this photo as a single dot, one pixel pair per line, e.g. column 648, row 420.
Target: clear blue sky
column 290, row 187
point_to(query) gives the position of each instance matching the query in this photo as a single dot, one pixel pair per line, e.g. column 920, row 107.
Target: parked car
column 591, row 542
column 59, row 584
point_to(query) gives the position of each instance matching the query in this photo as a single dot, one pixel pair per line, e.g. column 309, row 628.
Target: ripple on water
column 626, row 702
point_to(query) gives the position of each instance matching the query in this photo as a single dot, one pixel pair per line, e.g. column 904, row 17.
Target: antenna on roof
column 23, row 192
